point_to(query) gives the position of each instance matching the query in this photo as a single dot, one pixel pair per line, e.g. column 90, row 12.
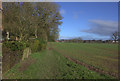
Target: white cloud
column 102, row 27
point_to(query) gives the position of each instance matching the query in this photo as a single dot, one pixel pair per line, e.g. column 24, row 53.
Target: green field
column 103, row 56
column 51, row 63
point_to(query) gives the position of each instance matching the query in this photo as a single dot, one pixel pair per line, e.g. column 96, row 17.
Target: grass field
column 51, row 63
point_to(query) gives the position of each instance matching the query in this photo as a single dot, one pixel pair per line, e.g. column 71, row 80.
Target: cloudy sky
column 89, row 20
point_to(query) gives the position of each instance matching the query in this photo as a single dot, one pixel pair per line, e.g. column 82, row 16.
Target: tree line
column 24, row 20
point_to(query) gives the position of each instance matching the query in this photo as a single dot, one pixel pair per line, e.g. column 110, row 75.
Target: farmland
column 103, row 56
column 55, row 63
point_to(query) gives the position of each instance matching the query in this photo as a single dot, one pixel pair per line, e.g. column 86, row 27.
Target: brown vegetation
column 10, row 58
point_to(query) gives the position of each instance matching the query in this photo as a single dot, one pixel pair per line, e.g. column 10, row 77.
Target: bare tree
column 115, row 36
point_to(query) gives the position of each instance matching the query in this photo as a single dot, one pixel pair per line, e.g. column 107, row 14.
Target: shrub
column 12, row 38
column 10, row 58
column 14, row 45
column 38, row 45
column 42, row 45
column 27, row 43
column 35, row 45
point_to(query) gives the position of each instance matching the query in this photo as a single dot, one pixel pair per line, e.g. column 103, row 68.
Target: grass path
column 50, row 64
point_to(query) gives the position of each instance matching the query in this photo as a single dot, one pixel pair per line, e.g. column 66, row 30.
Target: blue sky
column 88, row 20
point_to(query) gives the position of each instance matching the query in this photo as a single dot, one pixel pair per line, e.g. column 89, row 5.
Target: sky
column 88, row 20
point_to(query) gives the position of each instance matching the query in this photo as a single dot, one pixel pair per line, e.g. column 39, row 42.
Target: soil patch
column 25, row 64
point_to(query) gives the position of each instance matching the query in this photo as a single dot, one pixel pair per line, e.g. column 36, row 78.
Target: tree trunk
column 7, row 36
column 16, row 38
column 36, row 33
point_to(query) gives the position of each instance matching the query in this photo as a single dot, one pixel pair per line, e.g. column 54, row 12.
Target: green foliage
column 42, row 44
column 14, row 45
column 12, row 38
column 38, row 45
column 35, row 45
column 27, row 43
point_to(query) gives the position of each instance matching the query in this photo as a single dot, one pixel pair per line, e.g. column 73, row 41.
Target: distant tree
column 115, row 36
column 78, row 39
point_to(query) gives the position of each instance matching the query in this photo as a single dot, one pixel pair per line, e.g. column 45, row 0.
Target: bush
column 35, row 45
column 12, row 38
column 10, row 58
column 42, row 45
column 27, row 43
column 38, row 45
column 14, row 45
column 13, row 52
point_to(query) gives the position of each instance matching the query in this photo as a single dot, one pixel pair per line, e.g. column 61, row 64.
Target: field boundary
column 91, row 67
